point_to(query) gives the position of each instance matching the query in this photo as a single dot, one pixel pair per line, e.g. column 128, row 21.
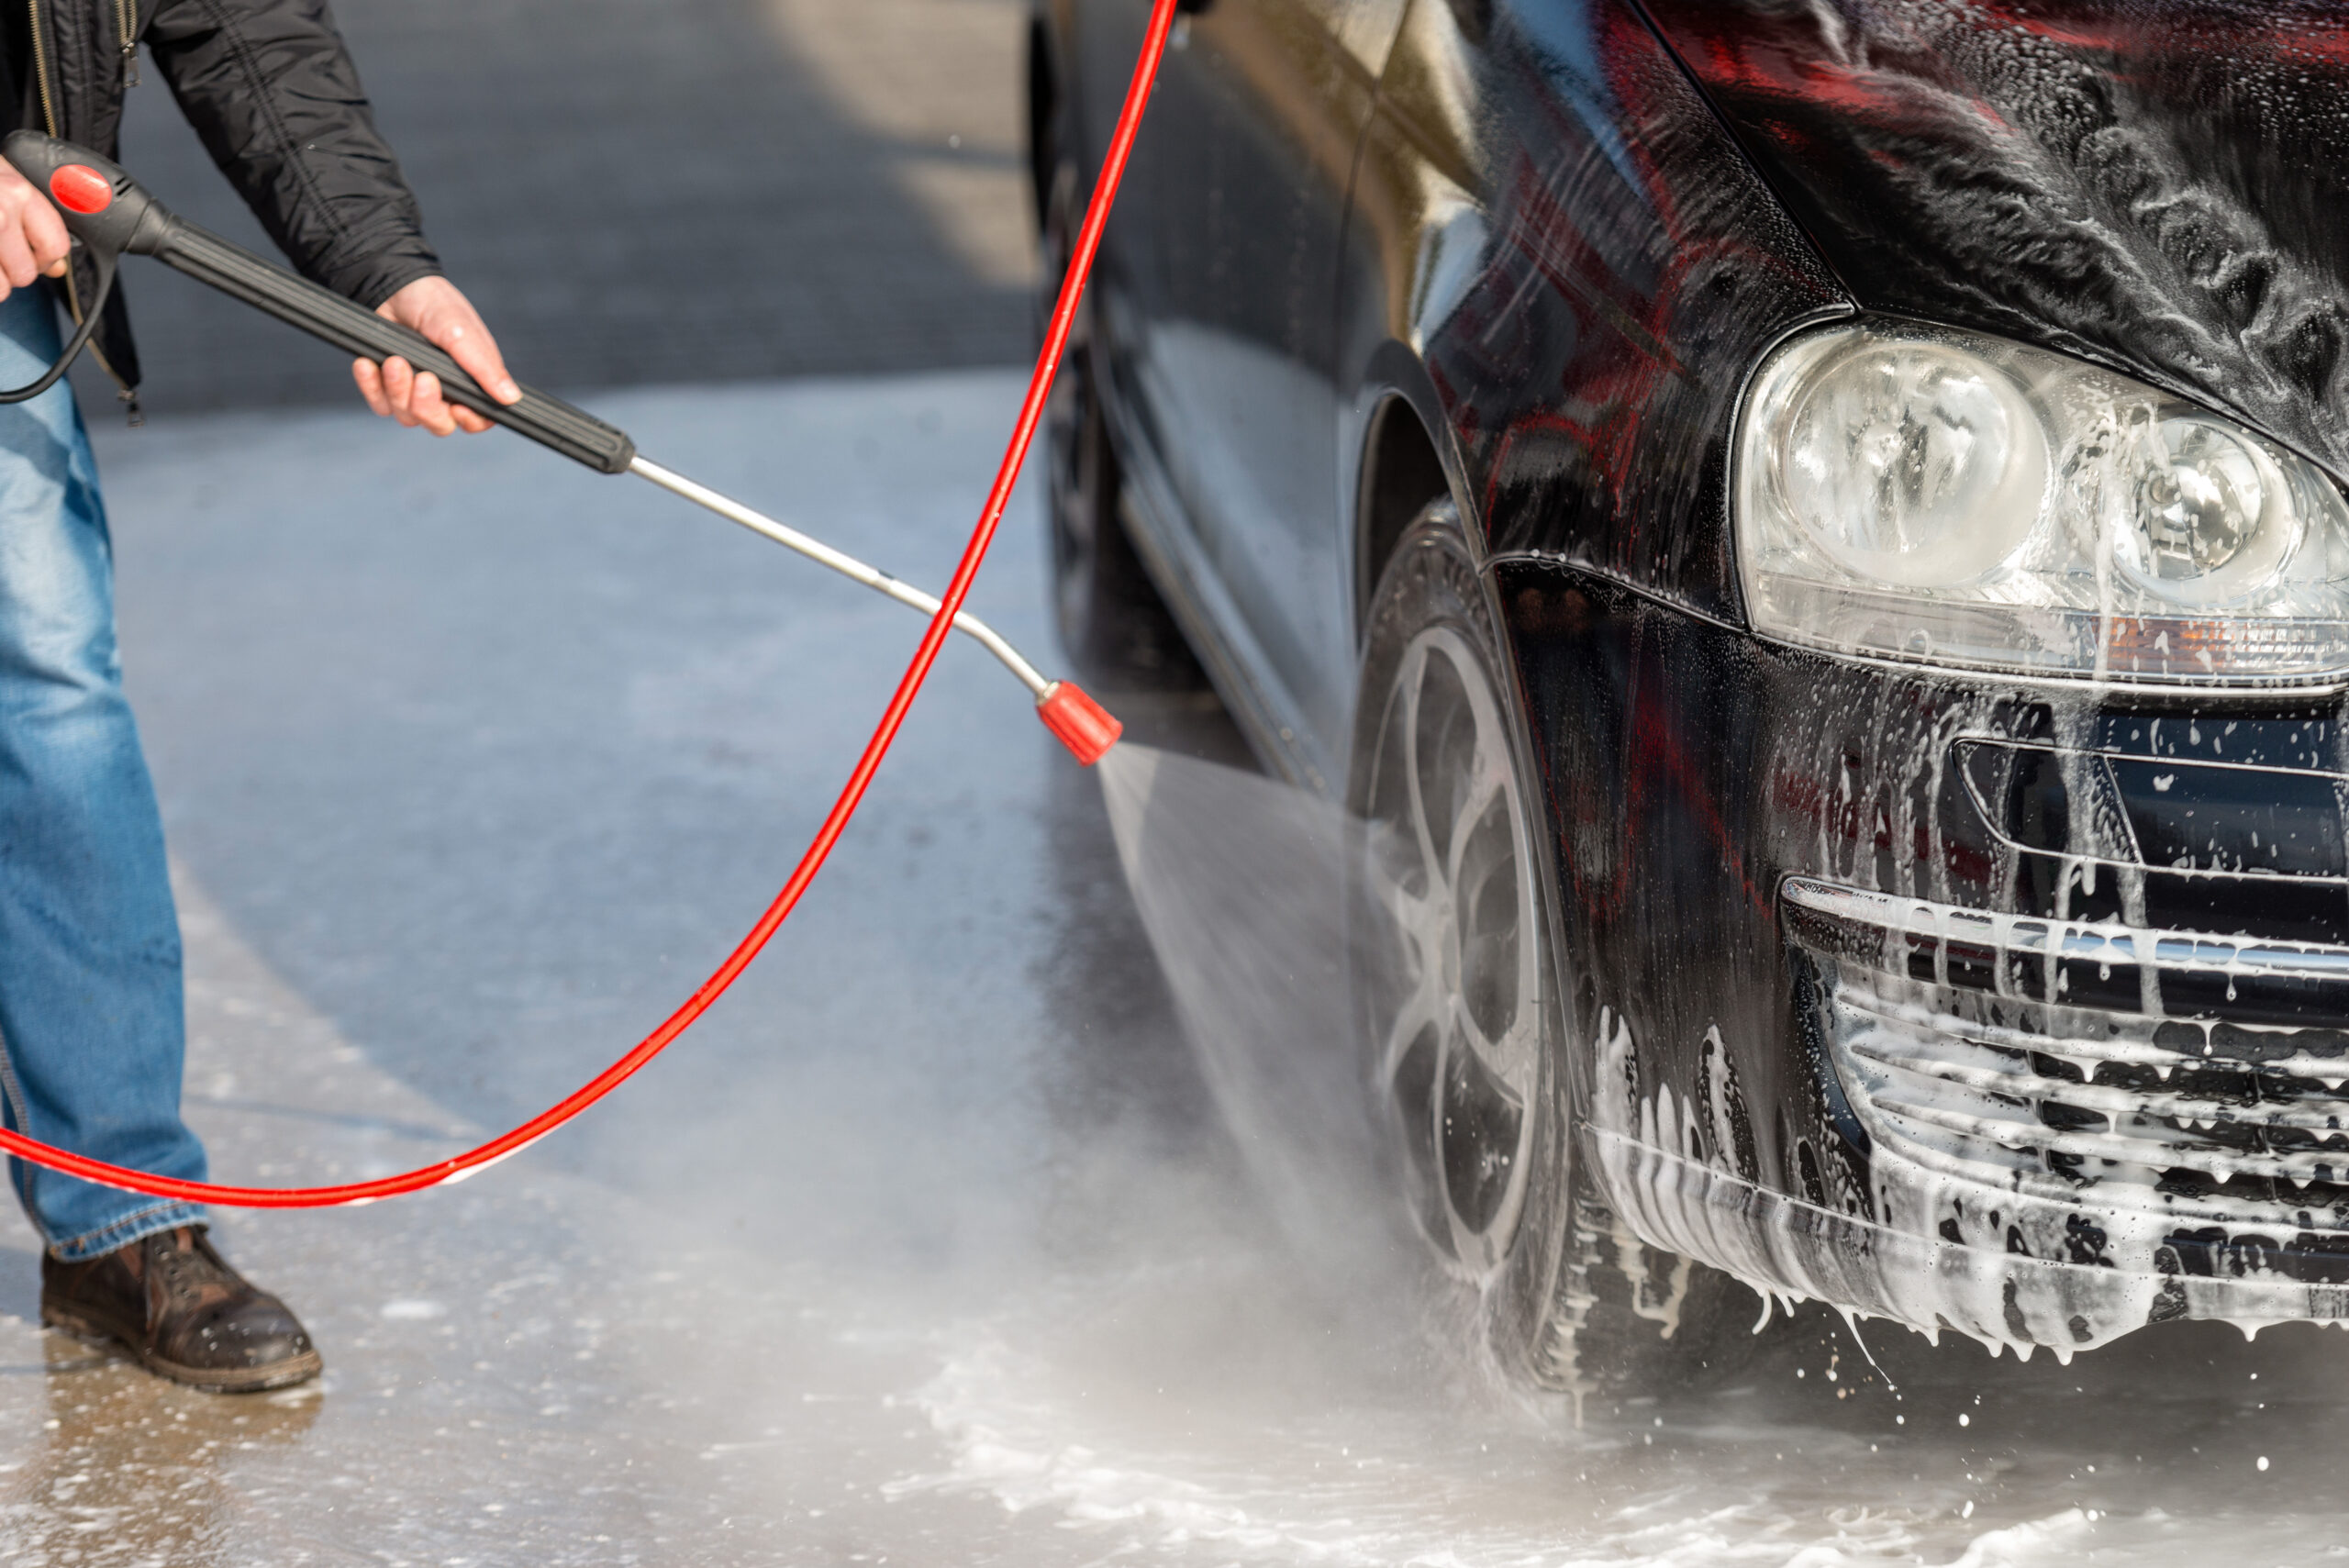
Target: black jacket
column 272, row 92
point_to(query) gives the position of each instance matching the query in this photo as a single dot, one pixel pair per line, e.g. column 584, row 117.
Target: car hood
column 2156, row 184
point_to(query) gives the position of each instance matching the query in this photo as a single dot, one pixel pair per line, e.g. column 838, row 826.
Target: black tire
column 1112, row 621
column 1479, row 1068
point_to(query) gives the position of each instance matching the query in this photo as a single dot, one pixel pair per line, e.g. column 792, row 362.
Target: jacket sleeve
column 270, row 87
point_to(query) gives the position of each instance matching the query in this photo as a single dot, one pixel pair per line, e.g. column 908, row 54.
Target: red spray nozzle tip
column 1084, row 726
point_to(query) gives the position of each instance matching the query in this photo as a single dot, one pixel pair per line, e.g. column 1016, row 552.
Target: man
column 91, row 1020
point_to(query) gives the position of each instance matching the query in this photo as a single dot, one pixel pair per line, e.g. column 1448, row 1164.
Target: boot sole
column 212, row 1380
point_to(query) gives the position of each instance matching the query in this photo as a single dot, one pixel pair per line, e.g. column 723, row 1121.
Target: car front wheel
column 1465, row 1017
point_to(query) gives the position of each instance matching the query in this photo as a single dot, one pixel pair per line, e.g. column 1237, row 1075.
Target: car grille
column 1973, row 1045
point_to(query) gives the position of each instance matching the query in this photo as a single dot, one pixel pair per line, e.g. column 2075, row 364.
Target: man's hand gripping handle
column 105, row 210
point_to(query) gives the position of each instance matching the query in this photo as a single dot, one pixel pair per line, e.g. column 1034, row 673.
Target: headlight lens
column 1922, row 492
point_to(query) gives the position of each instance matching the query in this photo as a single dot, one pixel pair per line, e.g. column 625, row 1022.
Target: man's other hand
column 33, row 242
column 434, row 307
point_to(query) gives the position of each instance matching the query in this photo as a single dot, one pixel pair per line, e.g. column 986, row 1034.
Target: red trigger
column 80, row 188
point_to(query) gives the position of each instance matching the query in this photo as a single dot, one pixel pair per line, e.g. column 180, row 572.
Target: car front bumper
column 1942, row 1000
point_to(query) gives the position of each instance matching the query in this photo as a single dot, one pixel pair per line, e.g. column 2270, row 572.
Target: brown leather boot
column 183, row 1312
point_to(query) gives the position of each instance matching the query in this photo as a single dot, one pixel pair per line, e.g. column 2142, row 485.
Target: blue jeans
column 92, row 1028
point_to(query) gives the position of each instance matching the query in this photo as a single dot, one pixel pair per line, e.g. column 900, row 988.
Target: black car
column 1813, row 531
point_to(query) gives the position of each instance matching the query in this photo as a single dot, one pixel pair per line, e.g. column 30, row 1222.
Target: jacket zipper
column 128, row 398
column 40, row 71
column 126, row 16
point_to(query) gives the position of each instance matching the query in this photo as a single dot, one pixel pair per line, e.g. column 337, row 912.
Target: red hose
column 1080, row 267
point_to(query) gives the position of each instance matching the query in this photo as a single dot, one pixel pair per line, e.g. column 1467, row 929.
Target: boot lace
column 183, row 1272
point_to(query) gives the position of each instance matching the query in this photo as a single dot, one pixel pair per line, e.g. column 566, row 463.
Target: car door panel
column 1230, row 346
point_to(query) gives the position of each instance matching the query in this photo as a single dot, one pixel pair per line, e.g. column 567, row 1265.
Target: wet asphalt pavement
column 472, row 763
column 929, row 1246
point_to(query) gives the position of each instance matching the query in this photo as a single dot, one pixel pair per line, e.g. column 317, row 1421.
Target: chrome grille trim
column 2300, row 1069
column 1908, row 921
column 2110, row 1102
column 2158, row 1148
column 1989, row 1082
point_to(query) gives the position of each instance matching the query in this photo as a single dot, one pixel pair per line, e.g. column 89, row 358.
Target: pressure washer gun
column 108, row 214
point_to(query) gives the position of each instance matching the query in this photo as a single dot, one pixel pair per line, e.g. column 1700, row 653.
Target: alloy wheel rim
column 1459, row 1032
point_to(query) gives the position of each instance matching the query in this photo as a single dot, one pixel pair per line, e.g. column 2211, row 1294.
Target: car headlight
column 1912, row 491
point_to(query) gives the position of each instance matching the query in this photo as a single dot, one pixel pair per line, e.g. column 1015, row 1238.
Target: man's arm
column 272, row 91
